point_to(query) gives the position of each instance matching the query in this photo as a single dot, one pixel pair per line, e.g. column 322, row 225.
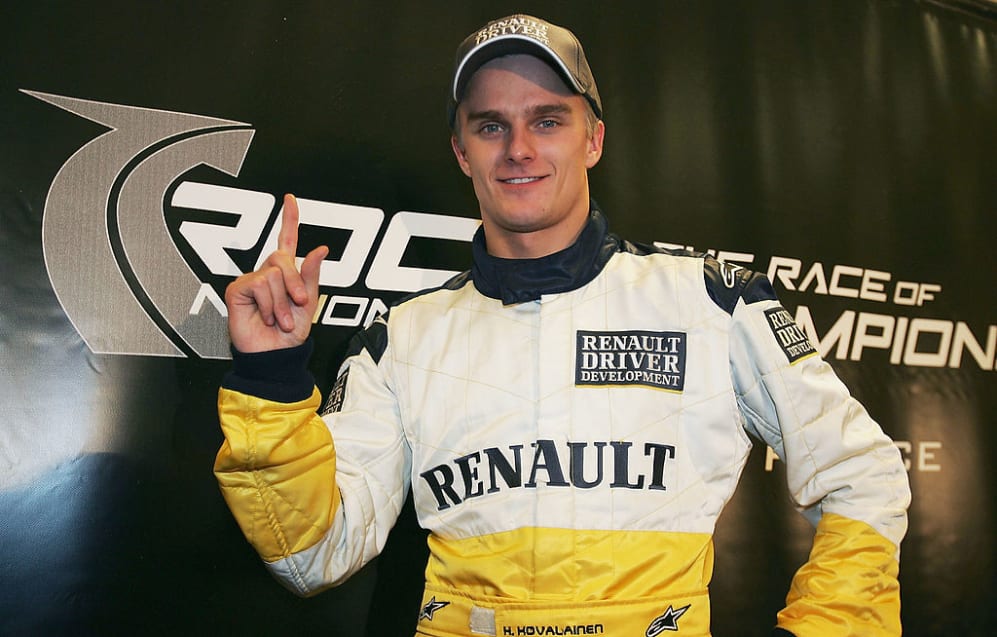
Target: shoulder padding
column 373, row 338
column 727, row 282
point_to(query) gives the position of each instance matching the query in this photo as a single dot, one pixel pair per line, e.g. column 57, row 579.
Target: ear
column 461, row 155
column 594, row 150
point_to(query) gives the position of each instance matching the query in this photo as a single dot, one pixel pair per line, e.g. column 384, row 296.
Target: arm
column 277, row 465
column 843, row 472
column 314, row 518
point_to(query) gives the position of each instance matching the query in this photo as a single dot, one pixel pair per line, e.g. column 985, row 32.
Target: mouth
column 515, row 181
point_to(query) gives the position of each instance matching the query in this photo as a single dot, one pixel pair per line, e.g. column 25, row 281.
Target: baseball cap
column 522, row 33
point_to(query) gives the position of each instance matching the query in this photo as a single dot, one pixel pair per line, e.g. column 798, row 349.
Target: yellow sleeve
column 848, row 586
column 277, row 471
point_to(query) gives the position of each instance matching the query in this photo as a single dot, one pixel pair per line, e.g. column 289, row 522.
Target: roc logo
column 116, row 268
column 652, row 359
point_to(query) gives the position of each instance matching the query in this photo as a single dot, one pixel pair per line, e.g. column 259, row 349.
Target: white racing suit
column 571, row 428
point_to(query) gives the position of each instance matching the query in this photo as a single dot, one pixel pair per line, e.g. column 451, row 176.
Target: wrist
column 280, row 375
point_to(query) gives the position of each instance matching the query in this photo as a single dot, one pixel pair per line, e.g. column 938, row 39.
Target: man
column 572, row 414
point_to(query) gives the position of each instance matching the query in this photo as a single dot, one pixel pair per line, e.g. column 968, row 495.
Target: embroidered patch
column 669, row 620
column 652, row 359
column 793, row 340
column 429, row 610
column 334, row 402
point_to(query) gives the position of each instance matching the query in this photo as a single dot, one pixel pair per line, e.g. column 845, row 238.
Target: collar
column 521, row 280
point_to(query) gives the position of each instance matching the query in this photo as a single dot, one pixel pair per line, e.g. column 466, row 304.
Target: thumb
column 311, row 267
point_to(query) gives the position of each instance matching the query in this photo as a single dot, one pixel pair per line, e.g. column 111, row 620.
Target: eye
column 548, row 123
column 490, row 128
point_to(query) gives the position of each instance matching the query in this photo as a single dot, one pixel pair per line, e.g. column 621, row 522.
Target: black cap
column 524, row 34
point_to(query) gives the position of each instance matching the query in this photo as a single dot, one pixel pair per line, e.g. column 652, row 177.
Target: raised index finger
column 287, row 240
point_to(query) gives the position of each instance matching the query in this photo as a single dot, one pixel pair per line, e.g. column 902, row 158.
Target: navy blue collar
column 521, row 280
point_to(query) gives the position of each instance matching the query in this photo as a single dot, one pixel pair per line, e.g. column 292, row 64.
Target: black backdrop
column 848, row 148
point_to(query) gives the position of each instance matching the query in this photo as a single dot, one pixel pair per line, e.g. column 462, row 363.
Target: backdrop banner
column 846, row 149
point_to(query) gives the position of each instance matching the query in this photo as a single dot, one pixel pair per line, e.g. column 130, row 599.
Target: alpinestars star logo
column 430, row 608
column 669, row 620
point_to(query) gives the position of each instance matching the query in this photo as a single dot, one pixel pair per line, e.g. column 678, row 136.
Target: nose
column 520, row 145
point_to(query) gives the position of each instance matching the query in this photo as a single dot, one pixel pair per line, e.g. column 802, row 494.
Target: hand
column 272, row 308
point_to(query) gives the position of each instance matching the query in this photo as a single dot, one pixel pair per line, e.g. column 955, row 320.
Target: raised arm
column 314, row 515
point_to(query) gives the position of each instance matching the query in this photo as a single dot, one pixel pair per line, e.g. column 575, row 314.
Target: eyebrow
column 534, row 111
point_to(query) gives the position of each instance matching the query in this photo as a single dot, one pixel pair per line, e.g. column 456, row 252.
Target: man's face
column 524, row 144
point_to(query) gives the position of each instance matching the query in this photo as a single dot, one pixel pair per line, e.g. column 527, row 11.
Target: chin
column 523, row 225
column 526, row 216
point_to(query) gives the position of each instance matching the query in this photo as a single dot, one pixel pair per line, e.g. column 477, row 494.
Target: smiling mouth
column 520, row 180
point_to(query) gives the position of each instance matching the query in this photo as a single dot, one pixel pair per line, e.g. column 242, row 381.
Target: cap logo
column 513, row 26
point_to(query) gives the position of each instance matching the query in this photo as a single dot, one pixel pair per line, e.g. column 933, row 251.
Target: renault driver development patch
column 336, row 397
column 652, row 359
column 793, row 341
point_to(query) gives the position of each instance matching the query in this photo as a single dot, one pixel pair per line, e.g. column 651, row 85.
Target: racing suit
column 571, row 428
